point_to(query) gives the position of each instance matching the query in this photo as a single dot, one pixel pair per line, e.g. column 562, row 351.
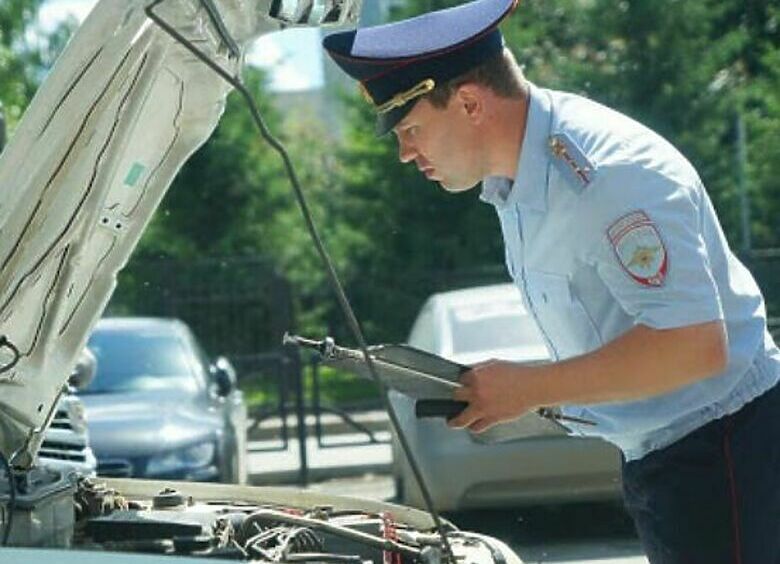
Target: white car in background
column 469, row 326
column 65, row 446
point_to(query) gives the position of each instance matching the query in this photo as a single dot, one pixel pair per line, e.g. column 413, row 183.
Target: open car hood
column 106, row 133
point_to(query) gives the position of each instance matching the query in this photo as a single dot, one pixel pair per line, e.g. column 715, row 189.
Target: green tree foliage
column 17, row 84
column 684, row 68
column 26, row 53
column 232, row 198
column 211, row 209
column 755, row 74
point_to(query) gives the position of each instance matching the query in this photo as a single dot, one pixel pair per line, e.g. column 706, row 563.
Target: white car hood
column 106, row 133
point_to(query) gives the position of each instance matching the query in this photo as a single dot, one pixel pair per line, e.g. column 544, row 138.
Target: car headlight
column 193, row 456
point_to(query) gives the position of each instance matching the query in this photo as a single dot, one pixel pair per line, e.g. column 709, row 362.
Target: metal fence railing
column 343, row 411
column 764, row 264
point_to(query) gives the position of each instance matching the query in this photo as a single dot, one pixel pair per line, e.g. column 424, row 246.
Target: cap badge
column 400, row 99
column 639, row 249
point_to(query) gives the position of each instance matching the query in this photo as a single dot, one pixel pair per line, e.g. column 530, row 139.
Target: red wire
column 389, row 532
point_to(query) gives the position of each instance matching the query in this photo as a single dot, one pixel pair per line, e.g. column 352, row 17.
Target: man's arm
column 643, row 362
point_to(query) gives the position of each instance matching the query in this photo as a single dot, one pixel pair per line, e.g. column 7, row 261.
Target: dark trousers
column 713, row 497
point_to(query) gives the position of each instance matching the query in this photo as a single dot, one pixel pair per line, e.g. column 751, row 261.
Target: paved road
column 336, row 457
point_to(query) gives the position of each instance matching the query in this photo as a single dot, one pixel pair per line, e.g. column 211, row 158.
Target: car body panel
column 93, row 557
column 130, row 428
column 120, row 112
column 146, row 424
column 66, row 444
column 463, row 473
column 462, row 469
column 108, row 143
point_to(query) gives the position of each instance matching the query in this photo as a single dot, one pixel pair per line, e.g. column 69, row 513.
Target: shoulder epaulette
column 572, row 160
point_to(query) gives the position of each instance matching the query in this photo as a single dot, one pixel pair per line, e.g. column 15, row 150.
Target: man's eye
column 413, row 131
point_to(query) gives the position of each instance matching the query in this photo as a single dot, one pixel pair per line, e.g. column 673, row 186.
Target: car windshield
column 138, row 361
column 502, row 325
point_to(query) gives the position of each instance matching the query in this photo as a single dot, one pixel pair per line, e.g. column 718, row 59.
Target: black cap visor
column 387, row 121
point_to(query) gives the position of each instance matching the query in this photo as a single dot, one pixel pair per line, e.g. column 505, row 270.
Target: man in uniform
column 657, row 332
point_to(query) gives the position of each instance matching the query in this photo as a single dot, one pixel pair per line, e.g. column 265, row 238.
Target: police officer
column 657, row 331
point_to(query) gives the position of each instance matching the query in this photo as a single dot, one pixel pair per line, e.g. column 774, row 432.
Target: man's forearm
column 643, row 362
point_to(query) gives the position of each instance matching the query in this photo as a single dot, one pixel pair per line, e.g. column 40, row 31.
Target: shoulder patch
column 572, row 159
column 639, row 248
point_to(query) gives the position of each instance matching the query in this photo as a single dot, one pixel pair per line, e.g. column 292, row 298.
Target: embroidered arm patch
column 639, row 248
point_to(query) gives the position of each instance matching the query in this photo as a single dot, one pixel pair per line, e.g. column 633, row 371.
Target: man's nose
column 406, row 152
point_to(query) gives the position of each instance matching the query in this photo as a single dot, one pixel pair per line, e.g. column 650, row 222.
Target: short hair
column 500, row 73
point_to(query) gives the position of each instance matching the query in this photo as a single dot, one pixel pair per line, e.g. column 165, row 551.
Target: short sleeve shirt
column 607, row 226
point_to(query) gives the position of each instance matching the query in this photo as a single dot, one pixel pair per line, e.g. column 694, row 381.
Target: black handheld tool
column 438, row 408
column 451, row 408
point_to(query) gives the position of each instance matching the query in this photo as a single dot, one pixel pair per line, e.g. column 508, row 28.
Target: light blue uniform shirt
column 607, row 226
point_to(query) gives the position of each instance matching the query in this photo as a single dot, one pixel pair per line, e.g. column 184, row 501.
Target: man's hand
column 496, row 391
column 640, row 363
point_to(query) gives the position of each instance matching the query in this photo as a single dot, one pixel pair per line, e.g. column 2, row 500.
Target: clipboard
column 421, row 375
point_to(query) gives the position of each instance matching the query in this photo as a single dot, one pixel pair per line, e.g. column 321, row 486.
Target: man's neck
column 505, row 140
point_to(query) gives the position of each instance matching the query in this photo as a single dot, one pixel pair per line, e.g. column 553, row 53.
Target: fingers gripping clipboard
column 430, row 380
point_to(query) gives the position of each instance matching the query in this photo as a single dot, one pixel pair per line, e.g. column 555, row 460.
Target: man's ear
column 471, row 100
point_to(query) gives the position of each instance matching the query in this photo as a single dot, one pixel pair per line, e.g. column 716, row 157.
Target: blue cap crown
column 397, row 63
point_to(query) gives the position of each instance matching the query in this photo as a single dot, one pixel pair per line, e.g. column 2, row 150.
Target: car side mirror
column 224, row 376
column 84, row 371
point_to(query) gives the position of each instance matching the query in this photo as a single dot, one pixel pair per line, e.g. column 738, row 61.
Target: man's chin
column 454, row 188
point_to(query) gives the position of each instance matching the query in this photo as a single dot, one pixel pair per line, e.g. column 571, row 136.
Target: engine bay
column 227, row 522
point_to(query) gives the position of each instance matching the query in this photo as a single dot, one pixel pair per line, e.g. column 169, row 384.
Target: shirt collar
column 495, row 190
column 529, row 188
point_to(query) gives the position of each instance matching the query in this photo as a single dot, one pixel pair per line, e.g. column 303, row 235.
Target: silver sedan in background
column 159, row 408
column 462, row 471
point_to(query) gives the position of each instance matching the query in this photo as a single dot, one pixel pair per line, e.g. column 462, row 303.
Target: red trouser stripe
column 733, row 491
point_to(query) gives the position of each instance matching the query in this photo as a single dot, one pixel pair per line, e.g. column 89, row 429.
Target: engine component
column 43, row 512
column 170, row 498
column 93, row 499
